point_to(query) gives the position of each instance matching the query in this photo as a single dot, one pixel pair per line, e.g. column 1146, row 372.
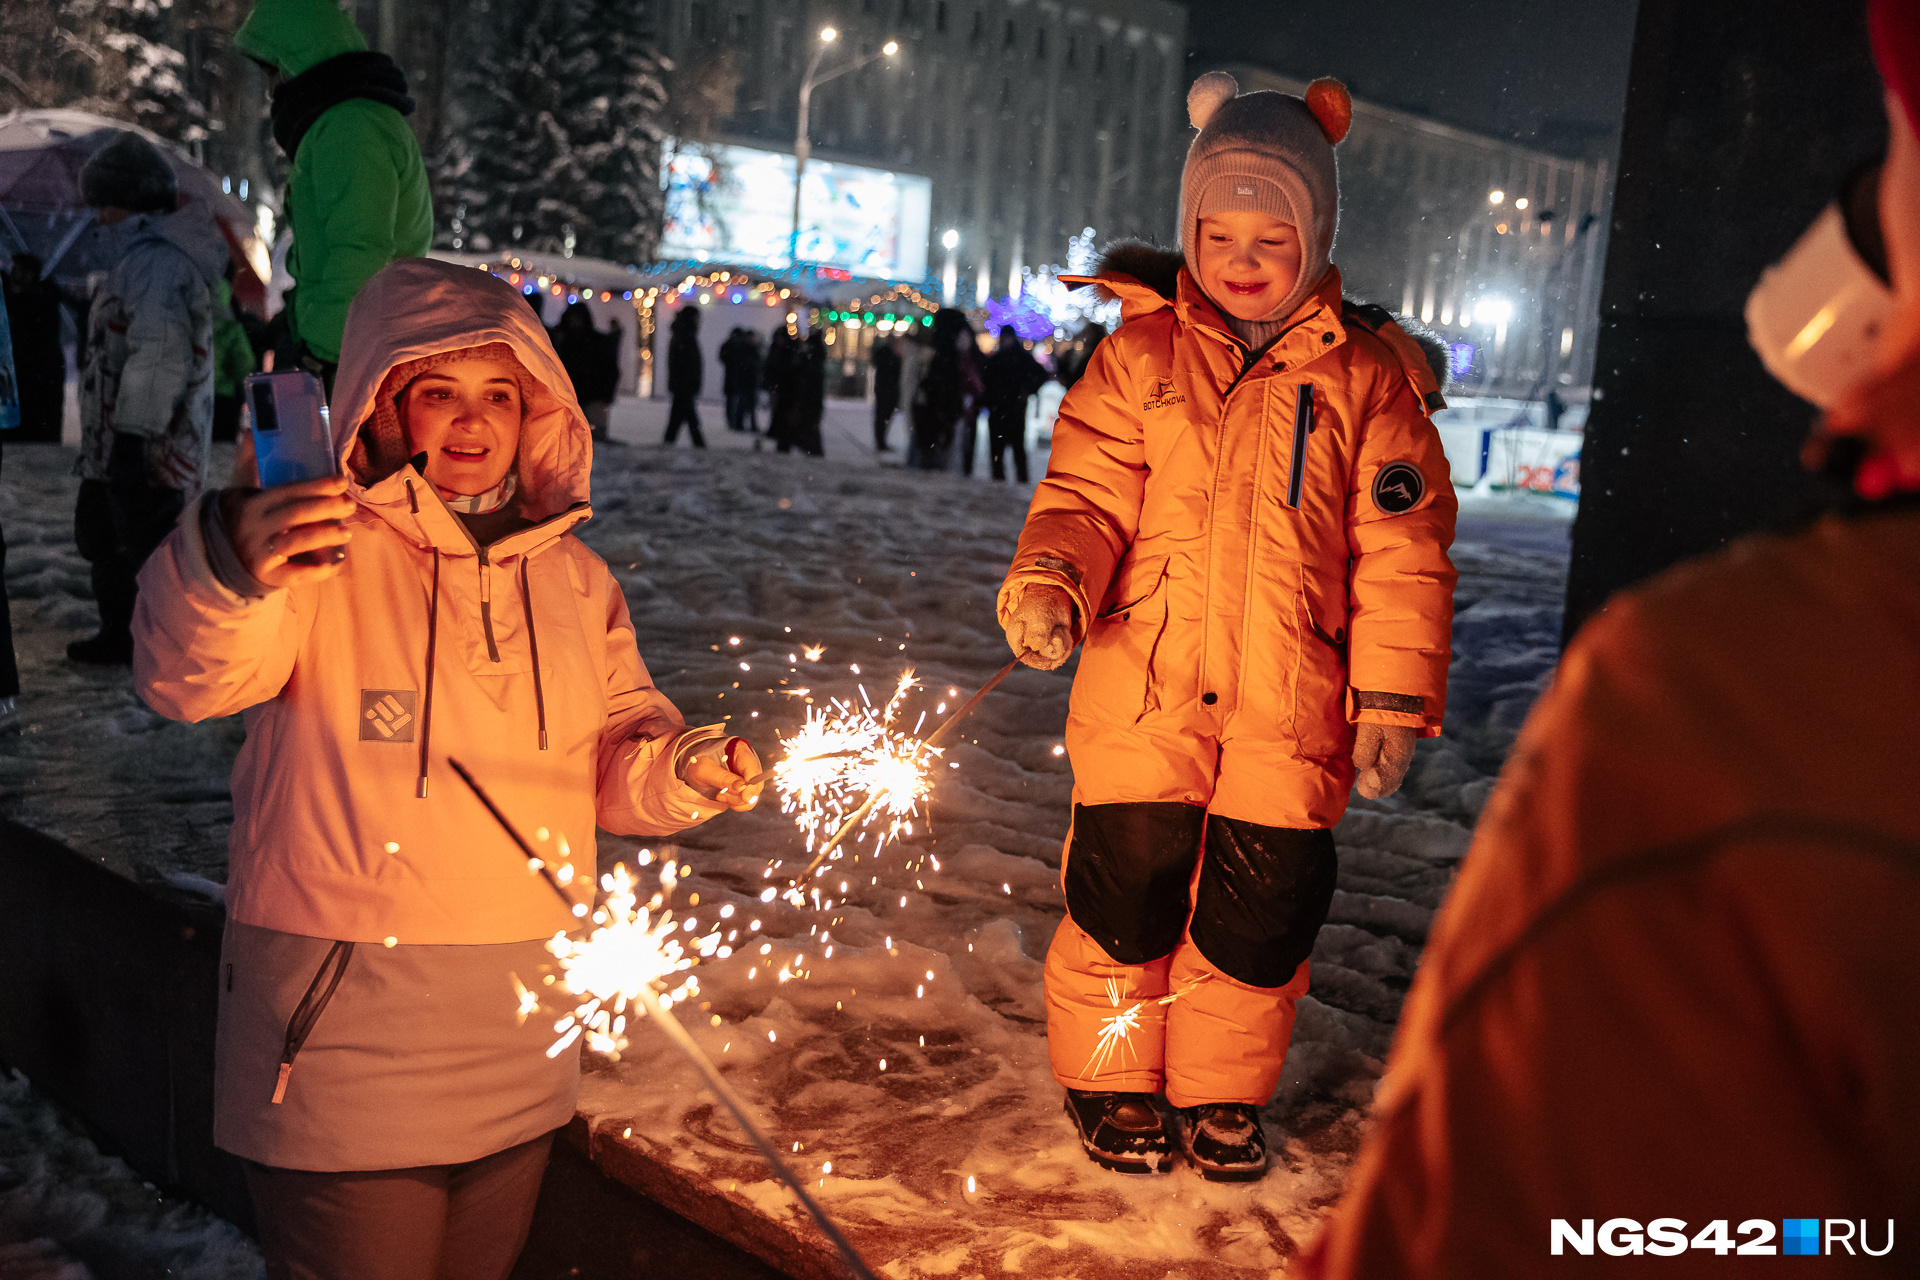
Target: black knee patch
column 1262, row 897
column 1128, row 867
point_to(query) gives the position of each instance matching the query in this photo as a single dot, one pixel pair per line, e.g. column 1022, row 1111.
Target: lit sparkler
column 1116, row 1032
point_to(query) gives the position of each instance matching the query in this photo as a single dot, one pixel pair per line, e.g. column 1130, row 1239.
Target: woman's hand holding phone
column 271, row 527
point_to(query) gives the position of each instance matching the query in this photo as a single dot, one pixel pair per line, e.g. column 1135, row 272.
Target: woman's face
column 466, row 418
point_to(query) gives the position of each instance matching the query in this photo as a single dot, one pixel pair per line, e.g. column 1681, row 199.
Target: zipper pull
column 280, row 1087
column 486, row 605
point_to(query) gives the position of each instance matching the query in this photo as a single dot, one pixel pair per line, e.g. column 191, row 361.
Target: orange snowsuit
column 1679, row 973
column 1256, row 550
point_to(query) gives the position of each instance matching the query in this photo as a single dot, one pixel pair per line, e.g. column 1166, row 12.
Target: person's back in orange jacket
column 1246, row 518
column 1670, row 1013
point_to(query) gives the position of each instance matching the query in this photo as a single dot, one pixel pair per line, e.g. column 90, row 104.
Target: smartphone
column 292, row 432
column 292, row 436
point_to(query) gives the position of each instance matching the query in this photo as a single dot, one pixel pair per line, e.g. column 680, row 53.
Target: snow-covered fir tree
column 150, row 86
column 561, row 150
column 118, row 58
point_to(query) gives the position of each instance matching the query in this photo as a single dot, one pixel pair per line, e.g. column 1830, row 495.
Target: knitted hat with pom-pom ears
column 1270, row 153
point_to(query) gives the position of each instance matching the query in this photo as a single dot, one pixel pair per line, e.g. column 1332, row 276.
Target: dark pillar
column 1742, row 120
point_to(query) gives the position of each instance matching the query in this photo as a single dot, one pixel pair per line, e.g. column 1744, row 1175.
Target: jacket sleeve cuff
column 222, row 558
column 1048, row 571
column 196, row 556
column 1408, row 711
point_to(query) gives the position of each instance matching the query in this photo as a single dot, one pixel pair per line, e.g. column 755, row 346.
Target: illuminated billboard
column 736, row 204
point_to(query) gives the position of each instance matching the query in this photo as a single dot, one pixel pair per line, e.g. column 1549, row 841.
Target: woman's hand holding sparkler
column 735, row 780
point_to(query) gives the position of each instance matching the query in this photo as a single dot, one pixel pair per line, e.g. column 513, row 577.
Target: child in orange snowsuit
column 1246, row 520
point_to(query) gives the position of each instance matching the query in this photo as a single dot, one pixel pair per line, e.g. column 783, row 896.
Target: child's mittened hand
column 1040, row 632
column 1381, row 752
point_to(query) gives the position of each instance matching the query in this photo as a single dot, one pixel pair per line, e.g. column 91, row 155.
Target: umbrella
column 42, row 213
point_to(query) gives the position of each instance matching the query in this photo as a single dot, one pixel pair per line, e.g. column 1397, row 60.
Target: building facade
column 1035, row 119
column 1496, row 246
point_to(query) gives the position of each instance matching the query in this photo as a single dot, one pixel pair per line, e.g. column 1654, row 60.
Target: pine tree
column 516, row 175
column 148, row 84
column 118, row 58
column 620, row 125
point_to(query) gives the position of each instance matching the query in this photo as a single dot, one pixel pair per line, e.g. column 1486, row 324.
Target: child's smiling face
column 466, row 418
column 1248, row 262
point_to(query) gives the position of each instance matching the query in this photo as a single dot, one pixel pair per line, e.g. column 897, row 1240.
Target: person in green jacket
column 357, row 194
column 232, row 361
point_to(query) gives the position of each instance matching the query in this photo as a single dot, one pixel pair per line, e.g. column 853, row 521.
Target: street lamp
column 801, row 148
column 949, row 279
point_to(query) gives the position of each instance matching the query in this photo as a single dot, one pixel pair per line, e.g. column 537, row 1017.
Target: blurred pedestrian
column 146, row 392
column 685, row 373
column 782, row 376
column 810, row 396
column 1677, row 977
column 592, row 360
column 40, row 365
column 886, row 389
column 357, row 194
column 1072, row 361
column 1011, row 376
column 740, row 357
column 233, row 360
column 948, row 392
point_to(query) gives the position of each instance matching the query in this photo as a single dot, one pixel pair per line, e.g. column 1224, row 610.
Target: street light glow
column 1521, row 203
column 1495, row 197
column 951, row 239
column 890, row 48
column 828, row 35
column 1495, row 311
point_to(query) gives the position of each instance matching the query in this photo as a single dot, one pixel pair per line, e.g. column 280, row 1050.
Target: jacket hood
column 193, row 231
column 417, row 308
column 294, row 35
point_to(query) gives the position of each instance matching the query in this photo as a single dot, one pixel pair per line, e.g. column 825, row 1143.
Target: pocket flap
column 1137, row 584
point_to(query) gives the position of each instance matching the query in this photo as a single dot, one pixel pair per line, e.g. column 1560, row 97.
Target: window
column 1073, row 49
column 1100, row 57
column 940, row 16
column 1040, row 44
column 1007, row 42
column 979, row 27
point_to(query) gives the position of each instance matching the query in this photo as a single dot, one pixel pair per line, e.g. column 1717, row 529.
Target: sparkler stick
column 932, row 740
column 533, row 859
column 664, row 1019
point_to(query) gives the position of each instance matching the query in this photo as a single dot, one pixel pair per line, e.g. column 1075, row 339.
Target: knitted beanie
column 1268, row 153
column 381, row 448
column 128, row 173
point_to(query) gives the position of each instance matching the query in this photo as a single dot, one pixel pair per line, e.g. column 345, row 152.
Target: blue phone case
column 292, row 431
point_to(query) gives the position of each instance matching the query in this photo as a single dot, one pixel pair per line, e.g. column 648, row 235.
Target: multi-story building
column 1035, row 119
column 1497, row 246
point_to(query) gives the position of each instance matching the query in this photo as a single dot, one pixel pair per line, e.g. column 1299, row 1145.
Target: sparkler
column 897, row 779
column 1116, row 1033
column 620, row 965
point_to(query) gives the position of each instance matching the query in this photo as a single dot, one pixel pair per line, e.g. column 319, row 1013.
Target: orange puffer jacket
column 1262, row 544
column 518, row 660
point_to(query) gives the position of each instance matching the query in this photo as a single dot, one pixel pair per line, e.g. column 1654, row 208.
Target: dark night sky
column 1538, row 71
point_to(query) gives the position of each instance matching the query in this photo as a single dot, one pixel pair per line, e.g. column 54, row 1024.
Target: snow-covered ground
column 909, row 1066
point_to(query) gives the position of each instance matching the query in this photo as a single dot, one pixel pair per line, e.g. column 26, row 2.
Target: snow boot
column 102, row 650
column 1224, row 1140
column 1121, row 1131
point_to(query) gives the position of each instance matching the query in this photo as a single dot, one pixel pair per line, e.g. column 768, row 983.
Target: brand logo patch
column 1163, row 395
column 1243, row 191
column 386, row 715
column 1398, row 487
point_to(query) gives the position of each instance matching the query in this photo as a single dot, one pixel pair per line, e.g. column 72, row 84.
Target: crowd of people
column 1675, row 978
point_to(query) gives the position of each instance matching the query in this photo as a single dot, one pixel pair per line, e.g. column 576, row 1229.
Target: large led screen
column 736, row 204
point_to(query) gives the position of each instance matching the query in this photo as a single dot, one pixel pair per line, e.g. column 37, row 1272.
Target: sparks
column 629, row 956
column 850, row 761
column 1116, row 1033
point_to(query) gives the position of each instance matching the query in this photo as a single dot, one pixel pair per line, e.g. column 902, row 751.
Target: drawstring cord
column 533, row 644
column 426, row 712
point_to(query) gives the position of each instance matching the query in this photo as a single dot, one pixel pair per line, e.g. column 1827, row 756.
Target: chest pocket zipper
column 1302, row 428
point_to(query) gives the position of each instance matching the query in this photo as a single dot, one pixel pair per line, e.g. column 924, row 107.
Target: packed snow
column 904, row 1073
